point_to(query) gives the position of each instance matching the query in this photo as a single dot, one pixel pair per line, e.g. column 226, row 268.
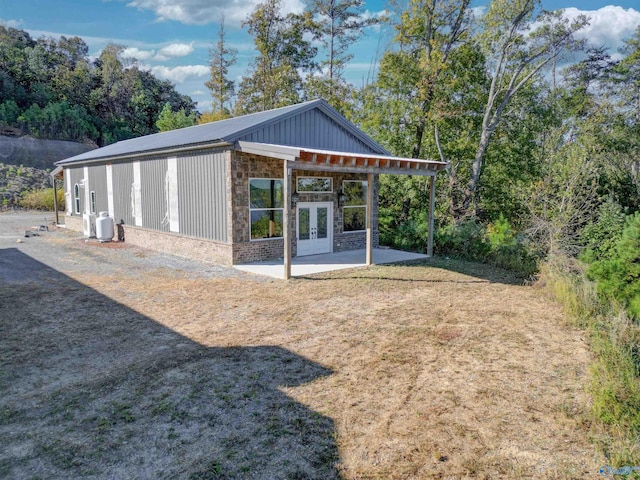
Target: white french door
column 314, row 227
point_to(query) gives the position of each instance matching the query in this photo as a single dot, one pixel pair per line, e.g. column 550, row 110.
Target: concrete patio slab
column 328, row 262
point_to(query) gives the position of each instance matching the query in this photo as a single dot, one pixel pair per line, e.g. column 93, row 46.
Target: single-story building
column 297, row 180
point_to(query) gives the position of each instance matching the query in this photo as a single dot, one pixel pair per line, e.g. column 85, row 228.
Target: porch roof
column 328, row 160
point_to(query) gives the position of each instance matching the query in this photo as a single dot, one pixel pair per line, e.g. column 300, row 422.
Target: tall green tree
column 338, row 25
column 221, row 57
column 170, row 120
column 627, row 87
column 428, row 34
column 283, row 52
column 421, row 105
column 516, row 55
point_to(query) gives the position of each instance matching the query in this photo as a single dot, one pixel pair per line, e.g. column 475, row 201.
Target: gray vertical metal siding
column 76, row 175
column 122, row 180
column 312, row 129
column 154, row 205
column 98, row 183
column 202, row 194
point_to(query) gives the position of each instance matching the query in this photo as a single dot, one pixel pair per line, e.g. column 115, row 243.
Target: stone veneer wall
column 180, row 245
column 165, row 242
column 245, row 166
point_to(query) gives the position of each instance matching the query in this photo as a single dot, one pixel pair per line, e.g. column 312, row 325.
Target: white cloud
column 134, row 52
column 11, row 23
column 174, row 50
column 202, row 12
column 96, row 44
column 204, row 105
column 380, row 15
column 478, row 12
column 197, row 92
column 181, row 73
column 609, row 26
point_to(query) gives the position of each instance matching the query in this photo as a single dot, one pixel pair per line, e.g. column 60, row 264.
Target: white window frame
column 92, row 201
column 281, row 209
column 76, row 198
column 344, row 207
column 314, row 191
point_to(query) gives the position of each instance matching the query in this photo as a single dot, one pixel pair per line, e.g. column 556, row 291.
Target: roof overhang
column 57, row 173
column 73, row 161
column 349, row 162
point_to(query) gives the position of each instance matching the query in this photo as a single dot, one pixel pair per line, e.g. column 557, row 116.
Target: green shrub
column 496, row 244
column 9, row 112
column 614, row 340
column 41, row 199
column 466, row 239
column 508, row 250
column 600, row 237
column 410, row 235
column 618, row 274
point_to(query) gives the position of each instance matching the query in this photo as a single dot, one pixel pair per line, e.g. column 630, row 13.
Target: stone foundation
column 171, row 243
column 247, row 252
column 180, row 245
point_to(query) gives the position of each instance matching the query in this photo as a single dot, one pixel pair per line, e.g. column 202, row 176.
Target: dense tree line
column 49, row 88
column 537, row 131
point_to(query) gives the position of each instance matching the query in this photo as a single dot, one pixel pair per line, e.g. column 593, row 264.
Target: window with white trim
column 76, row 198
column 92, row 197
column 265, row 207
column 354, row 210
column 314, row 184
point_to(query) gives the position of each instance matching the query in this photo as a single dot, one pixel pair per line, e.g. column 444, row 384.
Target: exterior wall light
column 342, row 198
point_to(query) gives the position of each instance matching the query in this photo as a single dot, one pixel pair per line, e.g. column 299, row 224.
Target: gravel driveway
column 69, row 251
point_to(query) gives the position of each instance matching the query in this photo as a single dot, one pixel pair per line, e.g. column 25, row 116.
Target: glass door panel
column 321, row 222
column 304, row 219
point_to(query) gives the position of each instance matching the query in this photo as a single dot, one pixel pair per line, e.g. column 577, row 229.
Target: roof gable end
column 311, row 124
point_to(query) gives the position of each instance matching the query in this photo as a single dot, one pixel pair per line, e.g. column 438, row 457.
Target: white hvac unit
column 89, row 224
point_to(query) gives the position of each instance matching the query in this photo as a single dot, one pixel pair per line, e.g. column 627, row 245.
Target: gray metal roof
column 226, row 131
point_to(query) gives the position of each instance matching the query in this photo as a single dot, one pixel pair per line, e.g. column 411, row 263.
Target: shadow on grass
column 481, row 273
column 92, row 388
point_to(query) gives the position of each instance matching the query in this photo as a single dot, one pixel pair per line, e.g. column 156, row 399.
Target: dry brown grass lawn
column 389, row 372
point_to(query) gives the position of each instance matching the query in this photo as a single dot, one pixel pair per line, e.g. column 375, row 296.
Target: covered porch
column 311, row 264
column 371, row 164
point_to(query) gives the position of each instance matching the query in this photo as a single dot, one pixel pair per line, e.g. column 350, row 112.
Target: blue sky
column 172, row 37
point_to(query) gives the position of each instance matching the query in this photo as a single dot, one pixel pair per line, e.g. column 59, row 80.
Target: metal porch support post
column 55, row 198
column 369, row 260
column 432, row 204
column 286, row 215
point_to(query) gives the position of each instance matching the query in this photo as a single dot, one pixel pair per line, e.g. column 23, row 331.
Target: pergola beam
column 319, row 167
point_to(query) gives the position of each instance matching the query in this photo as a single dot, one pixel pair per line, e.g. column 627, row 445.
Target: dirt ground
column 117, row 362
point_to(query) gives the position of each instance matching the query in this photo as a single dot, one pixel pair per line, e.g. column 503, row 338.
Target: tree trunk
column 469, row 198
